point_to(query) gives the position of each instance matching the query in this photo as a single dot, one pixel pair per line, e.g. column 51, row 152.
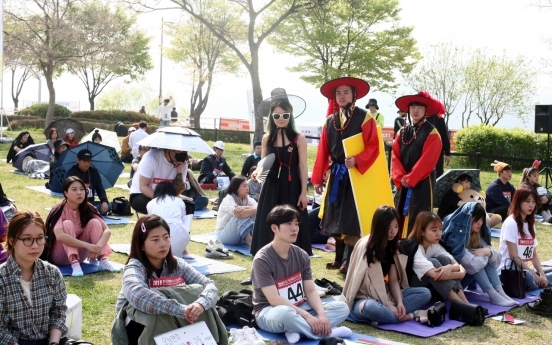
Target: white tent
column 109, row 138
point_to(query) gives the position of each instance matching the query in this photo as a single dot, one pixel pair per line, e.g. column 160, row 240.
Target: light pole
column 161, row 62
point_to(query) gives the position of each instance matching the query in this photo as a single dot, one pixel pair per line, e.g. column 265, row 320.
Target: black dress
column 279, row 191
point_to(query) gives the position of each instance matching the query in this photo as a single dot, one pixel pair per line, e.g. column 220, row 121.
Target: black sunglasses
column 276, row 116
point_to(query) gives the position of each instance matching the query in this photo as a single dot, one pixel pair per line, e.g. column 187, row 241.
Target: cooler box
column 73, row 317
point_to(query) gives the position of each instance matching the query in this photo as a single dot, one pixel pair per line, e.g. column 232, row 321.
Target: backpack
column 236, row 307
column 121, row 206
column 121, row 129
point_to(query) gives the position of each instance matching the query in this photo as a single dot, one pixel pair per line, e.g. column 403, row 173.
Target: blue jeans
column 282, row 318
column 413, row 299
column 201, row 202
column 530, row 280
column 235, row 230
column 487, row 278
column 98, row 205
column 165, row 123
column 44, row 341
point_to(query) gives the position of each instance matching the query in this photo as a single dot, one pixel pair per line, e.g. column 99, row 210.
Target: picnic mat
column 421, row 330
column 546, row 263
column 495, row 233
column 322, row 247
column 125, row 174
column 121, row 186
column 363, row 338
column 88, row 267
column 18, row 172
column 205, row 214
column 203, row 265
column 44, row 190
column 534, row 292
column 109, row 221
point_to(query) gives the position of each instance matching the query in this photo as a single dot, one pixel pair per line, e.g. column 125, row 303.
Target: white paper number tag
column 291, row 288
column 525, row 247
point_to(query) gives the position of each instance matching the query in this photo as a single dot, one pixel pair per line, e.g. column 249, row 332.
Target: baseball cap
column 84, row 155
column 60, row 142
column 219, row 145
column 69, row 130
column 131, row 129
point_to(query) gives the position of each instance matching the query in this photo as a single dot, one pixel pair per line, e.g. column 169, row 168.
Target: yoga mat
column 109, row 221
column 204, row 238
column 87, row 268
column 124, row 174
column 121, row 186
column 44, row 190
column 322, row 247
column 534, row 292
column 546, row 263
column 421, row 330
column 203, row 265
column 18, row 172
column 205, row 214
column 495, row 233
column 280, row 336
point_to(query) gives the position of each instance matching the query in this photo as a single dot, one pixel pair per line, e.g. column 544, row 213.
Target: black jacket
column 441, row 126
column 91, row 177
column 250, row 161
column 210, row 163
column 18, row 143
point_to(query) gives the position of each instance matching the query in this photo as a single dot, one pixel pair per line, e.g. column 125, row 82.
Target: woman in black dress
column 286, row 182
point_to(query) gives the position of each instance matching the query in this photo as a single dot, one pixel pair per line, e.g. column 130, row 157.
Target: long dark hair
column 523, row 193
column 379, row 235
column 85, row 208
column 139, row 235
column 235, row 184
column 291, row 130
column 164, row 189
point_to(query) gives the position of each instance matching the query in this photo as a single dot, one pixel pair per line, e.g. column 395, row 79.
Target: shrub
column 22, row 124
column 113, row 116
column 499, row 142
column 40, row 110
column 239, row 137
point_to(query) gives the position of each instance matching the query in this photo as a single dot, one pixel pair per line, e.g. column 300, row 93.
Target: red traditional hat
column 361, row 86
column 434, row 106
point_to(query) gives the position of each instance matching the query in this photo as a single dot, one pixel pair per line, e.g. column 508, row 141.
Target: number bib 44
column 525, row 247
column 291, row 288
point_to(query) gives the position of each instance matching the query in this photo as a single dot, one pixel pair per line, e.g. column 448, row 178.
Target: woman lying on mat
column 32, row 292
column 468, row 235
column 518, row 238
column 369, row 295
column 76, row 230
column 157, row 283
column 236, row 214
column 429, row 263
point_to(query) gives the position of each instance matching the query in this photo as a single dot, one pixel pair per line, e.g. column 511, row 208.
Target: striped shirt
column 19, row 319
column 137, row 292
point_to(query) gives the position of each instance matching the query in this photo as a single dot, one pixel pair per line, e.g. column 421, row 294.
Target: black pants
column 316, row 236
column 134, row 331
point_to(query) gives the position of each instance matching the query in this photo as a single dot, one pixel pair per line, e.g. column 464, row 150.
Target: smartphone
column 113, row 217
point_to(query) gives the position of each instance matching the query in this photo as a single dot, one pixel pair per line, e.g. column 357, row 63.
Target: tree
column 110, row 47
column 356, row 38
column 130, row 97
column 499, row 86
column 45, row 31
column 441, row 73
column 253, row 20
column 202, row 55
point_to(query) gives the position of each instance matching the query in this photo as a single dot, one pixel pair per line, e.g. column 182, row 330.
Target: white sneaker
column 321, row 291
column 215, row 250
column 216, row 244
column 239, row 337
column 253, row 336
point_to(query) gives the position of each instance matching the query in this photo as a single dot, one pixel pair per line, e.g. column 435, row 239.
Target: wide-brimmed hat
column 373, row 102
column 328, row 89
column 434, row 106
column 279, row 94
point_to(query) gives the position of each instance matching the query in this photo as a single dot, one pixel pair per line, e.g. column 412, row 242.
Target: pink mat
column 543, row 263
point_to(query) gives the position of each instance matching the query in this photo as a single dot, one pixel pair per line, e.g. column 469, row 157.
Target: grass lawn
column 99, row 291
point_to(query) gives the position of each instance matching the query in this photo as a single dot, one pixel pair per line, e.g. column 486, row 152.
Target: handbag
column 513, row 279
column 471, row 314
column 121, row 206
column 436, row 314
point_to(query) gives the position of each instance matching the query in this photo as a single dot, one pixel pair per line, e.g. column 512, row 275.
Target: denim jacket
column 457, row 228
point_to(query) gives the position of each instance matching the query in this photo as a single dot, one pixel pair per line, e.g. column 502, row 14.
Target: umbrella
column 445, row 182
column 109, row 138
column 182, row 139
column 40, row 151
column 63, row 124
column 104, row 159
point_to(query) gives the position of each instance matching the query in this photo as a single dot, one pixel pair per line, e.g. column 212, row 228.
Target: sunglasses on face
column 277, row 116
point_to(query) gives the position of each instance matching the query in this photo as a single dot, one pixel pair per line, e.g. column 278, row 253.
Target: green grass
column 99, row 291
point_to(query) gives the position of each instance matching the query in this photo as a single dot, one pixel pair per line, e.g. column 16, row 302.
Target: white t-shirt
column 226, row 211
column 26, row 286
column 421, row 262
column 155, row 166
column 525, row 246
column 133, row 140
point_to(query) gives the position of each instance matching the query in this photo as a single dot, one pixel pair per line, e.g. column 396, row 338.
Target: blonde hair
column 474, row 240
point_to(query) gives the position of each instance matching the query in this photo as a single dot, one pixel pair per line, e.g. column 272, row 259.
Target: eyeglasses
column 159, row 241
column 276, row 116
column 28, row 241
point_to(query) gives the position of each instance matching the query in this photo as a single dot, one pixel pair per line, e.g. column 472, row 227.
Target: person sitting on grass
column 429, row 263
column 193, row 191
column 284, row 295
column 77, row 231
column 451, row 201
column 254, row 185
column 530, row 177
column 59, row 146
column 172, row 209
column 236, row 214
column 369, row 295
column 469, row 236
column 126, row 155
column 97, row 137
column 32, row 292
column 52, row 137
column 500, row 192
column 22, row 141
column 70, row 138
column 156, row 283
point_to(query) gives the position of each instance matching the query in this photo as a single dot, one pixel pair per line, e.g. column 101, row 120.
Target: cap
column 60, row 142
column 219, row 145
column 84, row 155
column 131, row 129
column 69, row 130
column 499, row 166
column 257, row 143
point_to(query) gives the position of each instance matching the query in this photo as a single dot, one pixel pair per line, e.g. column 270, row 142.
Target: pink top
column 74, row 217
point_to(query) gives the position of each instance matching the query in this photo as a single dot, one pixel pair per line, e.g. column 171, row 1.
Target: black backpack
column 236, row 307
column 121, row 206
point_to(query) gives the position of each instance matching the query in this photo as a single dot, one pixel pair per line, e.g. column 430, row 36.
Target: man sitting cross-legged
column 282, row 284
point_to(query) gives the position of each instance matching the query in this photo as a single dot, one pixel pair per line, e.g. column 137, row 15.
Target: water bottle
column 220, row 184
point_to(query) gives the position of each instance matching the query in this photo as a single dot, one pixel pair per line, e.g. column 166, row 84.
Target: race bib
column 525, row 248
column 291, row 288
column 157, row 283
column 90, row 193
column 508, row 195
column 157, row 180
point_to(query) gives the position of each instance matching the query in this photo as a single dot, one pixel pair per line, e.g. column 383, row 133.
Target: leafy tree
column 130, row 97
column 357, row 38
column 202, row 55
column 45, row 31
column 110, row 47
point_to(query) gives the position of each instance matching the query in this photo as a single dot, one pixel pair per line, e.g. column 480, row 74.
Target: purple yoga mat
column 322, row 247
column 421, row 330
column 543, row 263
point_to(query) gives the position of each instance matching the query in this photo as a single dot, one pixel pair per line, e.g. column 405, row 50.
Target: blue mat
column 88, row 268
column 204, row 238
column 45, row 190
column 205, row 214
column 535, row 292
column 495, row 233
column 108, row 221
column 18, row 172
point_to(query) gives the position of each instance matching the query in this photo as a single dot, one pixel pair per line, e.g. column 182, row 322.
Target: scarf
column 239, row 202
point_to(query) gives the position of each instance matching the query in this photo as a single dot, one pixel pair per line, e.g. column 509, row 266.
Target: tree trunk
column 257, row 93
column 196, row 119
column 16, row 103
column 91, row 100
column 48, row 75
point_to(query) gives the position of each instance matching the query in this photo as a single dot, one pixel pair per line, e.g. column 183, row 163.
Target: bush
column 238, row 137
column 26, row 123
column 499, row 142
column 40, row 110
column 113, row 116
